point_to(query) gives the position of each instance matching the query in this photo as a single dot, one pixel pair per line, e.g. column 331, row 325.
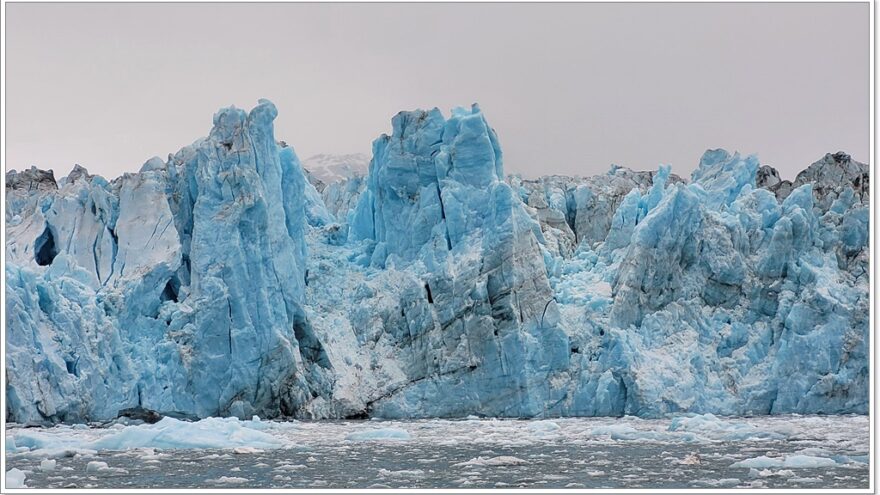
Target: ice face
column 721, row 291
column 221, row 282
column 178, row 288
column 475, row 311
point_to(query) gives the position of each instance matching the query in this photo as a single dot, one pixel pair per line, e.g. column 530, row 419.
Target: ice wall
column 476, row 310
column 720, row 293
column 179, row 288
column 221, row 282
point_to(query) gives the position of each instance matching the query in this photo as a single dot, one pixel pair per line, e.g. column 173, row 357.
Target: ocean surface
column 689, row 451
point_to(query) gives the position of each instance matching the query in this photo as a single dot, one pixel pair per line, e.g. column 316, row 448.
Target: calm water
column 563, row 453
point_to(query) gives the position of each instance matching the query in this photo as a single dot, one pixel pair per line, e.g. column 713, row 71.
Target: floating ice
column 228, row 480
column 403, row 472
column 246, row 450
column 169, row 433
column 289, row 467
column 95, row 466
column 806, row 480
column 502, row 460
column 544, row 428
column 627, row 432
column 710, row 426
column 15, row 478
column 790, row 461
column 509, row 445
column 690, row 460
column 379, row 434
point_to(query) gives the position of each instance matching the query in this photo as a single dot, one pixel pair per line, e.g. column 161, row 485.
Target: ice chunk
column 790, row 461
column 289, row 467
column 542, row 428
column 710, row 426
column 169, row 433
column 228, row 480
column 502, row 460
column 246, row 450
column 627, row 432
column 401, row 473
column 379, row 434
column 15, row 478
column 690, row 460
column 806, row 480
column 95, row 466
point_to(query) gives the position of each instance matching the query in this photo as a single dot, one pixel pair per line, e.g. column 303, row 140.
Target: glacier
column 226, row 280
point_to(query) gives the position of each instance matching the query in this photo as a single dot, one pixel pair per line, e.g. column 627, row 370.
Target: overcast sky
column 570, row 88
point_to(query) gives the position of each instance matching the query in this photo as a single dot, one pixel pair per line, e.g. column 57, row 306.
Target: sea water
column 696, row 451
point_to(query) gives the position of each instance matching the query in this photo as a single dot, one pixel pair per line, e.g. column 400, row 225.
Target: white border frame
column 873, row 270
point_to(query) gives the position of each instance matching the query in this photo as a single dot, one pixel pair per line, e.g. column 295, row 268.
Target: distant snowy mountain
column 329, row 168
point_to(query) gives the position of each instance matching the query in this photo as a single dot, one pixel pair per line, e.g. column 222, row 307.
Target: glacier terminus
column 226, row 280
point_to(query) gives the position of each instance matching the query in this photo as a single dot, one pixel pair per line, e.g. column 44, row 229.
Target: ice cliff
column 179, row 288
column 222, row 281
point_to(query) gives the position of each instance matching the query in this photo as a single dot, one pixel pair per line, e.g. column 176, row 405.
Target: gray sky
column 570, row 88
